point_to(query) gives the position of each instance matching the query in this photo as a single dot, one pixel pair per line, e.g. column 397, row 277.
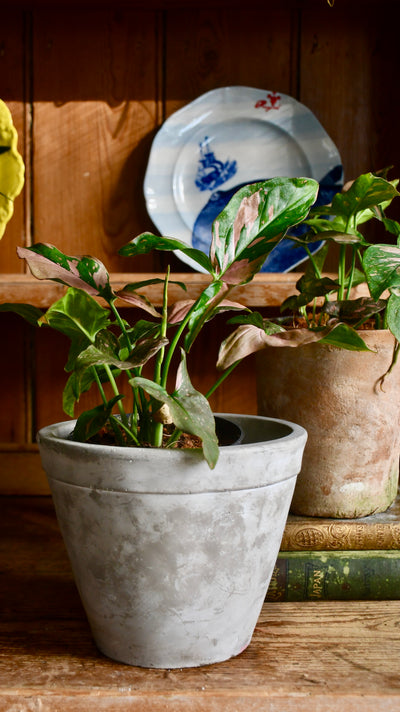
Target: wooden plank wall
column 88, row 89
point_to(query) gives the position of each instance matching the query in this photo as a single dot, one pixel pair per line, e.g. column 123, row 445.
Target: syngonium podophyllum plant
column 325, row 305
column 107, row 348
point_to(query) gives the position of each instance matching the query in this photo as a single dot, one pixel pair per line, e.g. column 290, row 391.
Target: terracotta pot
column 351, row 460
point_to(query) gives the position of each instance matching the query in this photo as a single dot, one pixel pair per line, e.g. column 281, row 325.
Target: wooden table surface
column 314, row 656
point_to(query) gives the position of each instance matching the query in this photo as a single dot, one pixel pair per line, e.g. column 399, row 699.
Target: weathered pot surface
column 173, row 565
column 351, row 460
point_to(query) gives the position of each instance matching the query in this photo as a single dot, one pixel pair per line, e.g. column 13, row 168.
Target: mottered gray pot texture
column 172, row 560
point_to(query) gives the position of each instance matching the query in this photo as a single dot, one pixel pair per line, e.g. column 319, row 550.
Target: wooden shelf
column 265, row 289
column 269, row 289
column 325, row 656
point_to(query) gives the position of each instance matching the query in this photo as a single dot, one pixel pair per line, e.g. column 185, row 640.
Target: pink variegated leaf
column 248, row 339
column 137, row 300
column 181, row 309
column 82, row 272
column 254, row 221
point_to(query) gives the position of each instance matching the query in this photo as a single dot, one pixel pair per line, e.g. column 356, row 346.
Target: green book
column 336, row 576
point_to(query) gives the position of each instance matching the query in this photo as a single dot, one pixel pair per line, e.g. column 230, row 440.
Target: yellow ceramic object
column 11, row 167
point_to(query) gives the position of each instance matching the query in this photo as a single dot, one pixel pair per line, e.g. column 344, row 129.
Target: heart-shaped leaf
column 48, row 262
column 189, row 409
column 254, row 221
column 393, row 315
column 381, row 264
column 147, row 242
column 77, row 314
column 91, row 421
column 365, row 192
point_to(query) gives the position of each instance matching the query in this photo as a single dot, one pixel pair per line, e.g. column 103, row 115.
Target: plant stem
column 174, row 344
column 351, row 273
column 315, row 267
column 128, row 345
column 341, row 272
column 99, row 385
column 222, row 377
column 120, row 324
column 116, row 392
column 159, row 427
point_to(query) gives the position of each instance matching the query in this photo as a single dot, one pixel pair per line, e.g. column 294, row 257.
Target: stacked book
column 339, row 559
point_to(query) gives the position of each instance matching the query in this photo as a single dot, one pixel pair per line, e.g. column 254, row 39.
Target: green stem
column 222, row 377
column 316, row 269
column 351, row 273
column 128, row 343
column 159, row 427
column 303, row 312
column 99, row 385
column 342, row 272
column 174, row 343
column 120, row 324
column 116, row 392
column 127, row 430
column 163, row 331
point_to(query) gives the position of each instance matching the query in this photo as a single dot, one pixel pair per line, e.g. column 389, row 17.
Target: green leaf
column 310, row 287
column 77, row 314
column 189, row 409
column 254, row 221
column 355, row 311
column 147, row 242
column 381, row 264
column 75, row 386
column 342, row 238
column 393, row 315
column 132, row 286
column 48, row 262
column 254, row 318
column 345, row 337
column 365, row 192
column 27, row 311
column 105, row 352
column 91, row 421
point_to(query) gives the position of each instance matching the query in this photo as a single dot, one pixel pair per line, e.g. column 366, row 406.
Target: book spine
column 322, row 535
column 336, row 576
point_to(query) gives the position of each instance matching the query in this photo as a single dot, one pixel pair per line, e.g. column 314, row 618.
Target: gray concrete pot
column 173, row 560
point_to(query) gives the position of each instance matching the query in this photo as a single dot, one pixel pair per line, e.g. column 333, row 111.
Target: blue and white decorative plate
column 227, row 138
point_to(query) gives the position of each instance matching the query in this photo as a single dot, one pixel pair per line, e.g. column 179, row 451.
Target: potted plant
column 172, row 547
column 341, row 384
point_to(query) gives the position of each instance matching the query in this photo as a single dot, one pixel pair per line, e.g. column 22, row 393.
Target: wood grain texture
column 49, row 662
column 347, row 70
column 249, row 47
column 95, row 110
column 15, row 372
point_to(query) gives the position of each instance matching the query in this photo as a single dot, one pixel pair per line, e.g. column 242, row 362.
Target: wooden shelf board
column 268, row 289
